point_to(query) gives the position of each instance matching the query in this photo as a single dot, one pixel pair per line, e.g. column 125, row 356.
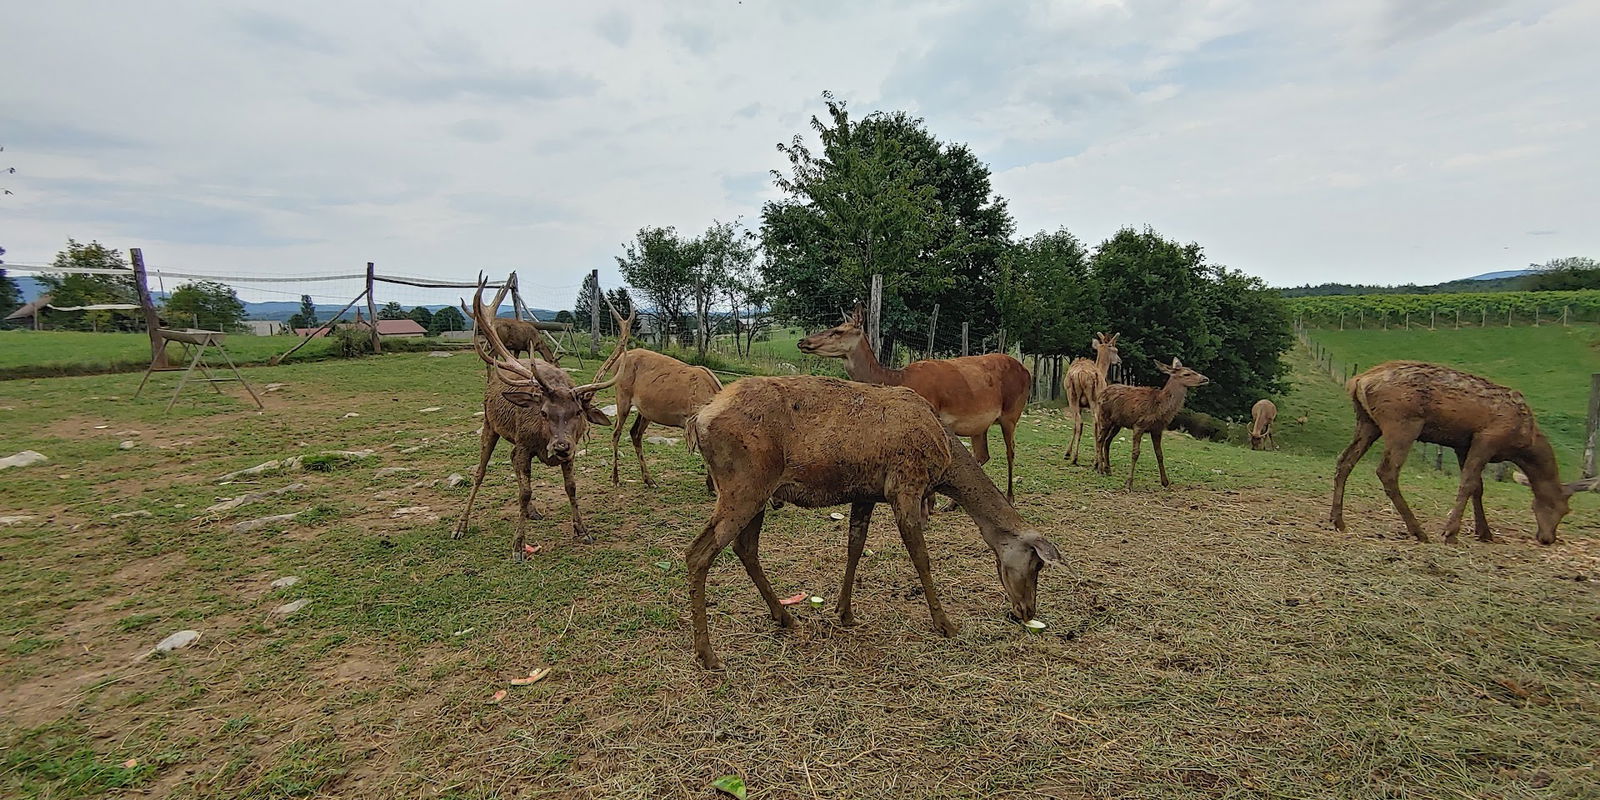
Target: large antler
column 496, row 354
column 616, row 355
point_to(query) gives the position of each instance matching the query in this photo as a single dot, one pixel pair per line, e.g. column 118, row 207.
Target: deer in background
column 535, row 406
column 1484, row 422
column 666, row 390
column 1262, row 415
column 1142, row 409
column 816, row 441
column 518, row 335
column 970, row 394
column 1084, row 382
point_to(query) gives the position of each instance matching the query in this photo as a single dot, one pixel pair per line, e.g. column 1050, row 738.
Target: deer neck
column 1538, row 462
column 1172, row 397
column 966, row 483
column 1102, row 362
column 862, row 365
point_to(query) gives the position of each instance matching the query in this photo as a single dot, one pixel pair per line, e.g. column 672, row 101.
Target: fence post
column 1433, row 319
column 1594, row 425
column 966, row 352
column 1458, row 319
column 933, row 322
column 152, row 320
column 1535, row 316
column 874, row 320
column 594, row 314
column 1485, row 322
column 372, row 312
column 1564, row 311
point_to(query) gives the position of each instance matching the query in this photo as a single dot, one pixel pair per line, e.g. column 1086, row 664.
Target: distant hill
column 1511, row 280
column 1504, row 273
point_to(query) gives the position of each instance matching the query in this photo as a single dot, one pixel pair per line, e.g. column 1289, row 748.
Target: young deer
column 821, row 441
column 534, row 405
column 1142, row 409
column 1262, row 415
column 1084, row 383
column 1410, row 401
column 666, row 391
column 970, row 394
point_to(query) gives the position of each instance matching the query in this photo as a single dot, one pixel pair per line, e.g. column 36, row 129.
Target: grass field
column 30, row 353
column 1549, row 364
column 1212, row 639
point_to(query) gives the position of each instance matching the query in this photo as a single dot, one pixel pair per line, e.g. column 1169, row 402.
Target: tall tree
column 205, row 304
column 392, row 310
column 620, row 300
column 306, row 317
column 422, row 316
column 80, row 289
column 1152, row 289
column 10, row 292
column 726, row 249
column 747, row 300
column 883, row 196
column 1251, row 326
column 661, row 264
column 1049, row 300
column 583, row 307
column 447, row 319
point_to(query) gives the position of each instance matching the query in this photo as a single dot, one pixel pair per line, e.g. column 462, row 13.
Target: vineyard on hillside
column 1476, row 309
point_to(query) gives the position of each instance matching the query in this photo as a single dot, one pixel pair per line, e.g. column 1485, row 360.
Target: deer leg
column 748, row 548
column 1008, row 431
column 860, row 516
column 1472, row 462
column 1133, row 457
column 1161, row 459
column 724, row 526
column 1396, row 446
column 521, row 462
column 908, row 516
column 623, row 408
column 1366, row 433
column 1077, row 429
column 1102, row 446
column 486, row 443
column 636, row 434
column 571, row 484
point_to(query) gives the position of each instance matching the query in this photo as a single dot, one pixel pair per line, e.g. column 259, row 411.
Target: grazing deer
column 1084, row 382
column 1262, row 415
column 970, row 394
column 666, row 391
column 537, row 408
column 1410, row 401
column 1142, row 409
column 818, row 441
column 522, row 336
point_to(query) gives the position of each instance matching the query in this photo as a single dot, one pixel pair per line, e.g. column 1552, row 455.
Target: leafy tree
column 619, row 299
column 1557, row 274
column 447, row 319
column 422, row 316
column 78, row 289
column 392, row 310
column 306, row 317
column 1251, row 326
column 1048, row 298
column 661, row 264
column 883, row 196
column 10, row 292
column 205, row 304
column 1153, row 291
column 726, row 249
column 747, row 299
column 564, row 316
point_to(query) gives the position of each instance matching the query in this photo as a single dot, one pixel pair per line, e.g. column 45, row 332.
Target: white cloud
column 1365, row 141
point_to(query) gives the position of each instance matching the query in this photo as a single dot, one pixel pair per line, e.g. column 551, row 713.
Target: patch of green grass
column 57, row 760
column 137, row 622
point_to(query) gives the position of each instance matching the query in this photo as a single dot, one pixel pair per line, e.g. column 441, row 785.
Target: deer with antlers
column 1142, row 409
column 1084, row 383
column 665, row 390
column 1484, row 422
column 816, row 441
column 534, row 405
column 970, row 394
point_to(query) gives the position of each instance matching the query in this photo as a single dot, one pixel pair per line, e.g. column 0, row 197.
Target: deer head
column 1019, row 559
column 838, row 341
column 1182, row 375
column 1106, row 346
column 566, row 411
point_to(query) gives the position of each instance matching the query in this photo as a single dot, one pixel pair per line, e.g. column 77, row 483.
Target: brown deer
column 970, row 394
column 1084, row 382
column 536, row 407
column 1411, row 401
column 1262, row 415
column 521, row 336
column 666, row 391
column 816, row 441
column 1142, row 409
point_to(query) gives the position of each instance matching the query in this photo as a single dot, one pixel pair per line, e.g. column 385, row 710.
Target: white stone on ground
column 15, row 519
column 430, row 409
column 26, row 458
column 667, row 440
column 128, row 444
column 384, row 472
column 456, row 479
column 289, row 608
column 610, row 410
column 264, row 522
column 252, row 497
column 440, row 354
column 177, row 641
column 140, row 514
column 285, row 582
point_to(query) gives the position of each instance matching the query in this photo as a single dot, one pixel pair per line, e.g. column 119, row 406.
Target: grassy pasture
column 1212, row 639
column 31, row 353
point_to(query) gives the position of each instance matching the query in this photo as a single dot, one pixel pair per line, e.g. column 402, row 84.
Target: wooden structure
column 194, row 344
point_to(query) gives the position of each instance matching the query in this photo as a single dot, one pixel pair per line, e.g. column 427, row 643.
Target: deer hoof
column 1485, row 535
column 784, row 620
column 710, row 662
column 460, row 531
column 847, row 619
column 946, row 628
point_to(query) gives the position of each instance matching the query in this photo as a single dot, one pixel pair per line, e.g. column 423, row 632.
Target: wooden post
column 1408, row 320
column 1002, row 340
column 1438, row 458
column 1458, row 318
column 372, row 312
column 1433, row 318
column 964, row 350
column 1508, row 316
column 1564, row 311
column 1341, row 320
column 874, row 319
column 594, row 315
column 1535, row 316
column 1485, row 322
column 518, row 310
column 933, row 322
column 1594, row 425
column 152, row 320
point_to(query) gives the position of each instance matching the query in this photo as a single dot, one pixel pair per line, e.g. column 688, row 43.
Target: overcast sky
column 1409, row 140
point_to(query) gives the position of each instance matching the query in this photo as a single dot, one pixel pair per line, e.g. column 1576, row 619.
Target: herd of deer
column 889, row 436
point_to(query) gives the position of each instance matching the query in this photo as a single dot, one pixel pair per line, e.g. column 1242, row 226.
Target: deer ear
column 1042, row 547
column 595, row 415
column 1094, row 344
column 524, row 399
column 1164, row 367
column 1176, row 364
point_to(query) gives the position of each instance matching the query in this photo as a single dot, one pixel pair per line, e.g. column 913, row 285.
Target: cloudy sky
column 1371, row 140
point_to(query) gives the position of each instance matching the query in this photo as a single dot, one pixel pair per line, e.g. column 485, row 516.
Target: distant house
column 387, row 329
column 264, row 327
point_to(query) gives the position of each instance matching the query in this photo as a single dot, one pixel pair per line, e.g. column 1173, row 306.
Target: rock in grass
column 177, row 641
column 289, row 608
column 15, row 519
column 440, row 354
column 140, row 514
column 252, row 497
column 285, row 581
column 385, row 472
column 259, row 469
column 264, row 522
column 26, row 458
column 127, row 444
column 666, row 440
column 456, row 479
